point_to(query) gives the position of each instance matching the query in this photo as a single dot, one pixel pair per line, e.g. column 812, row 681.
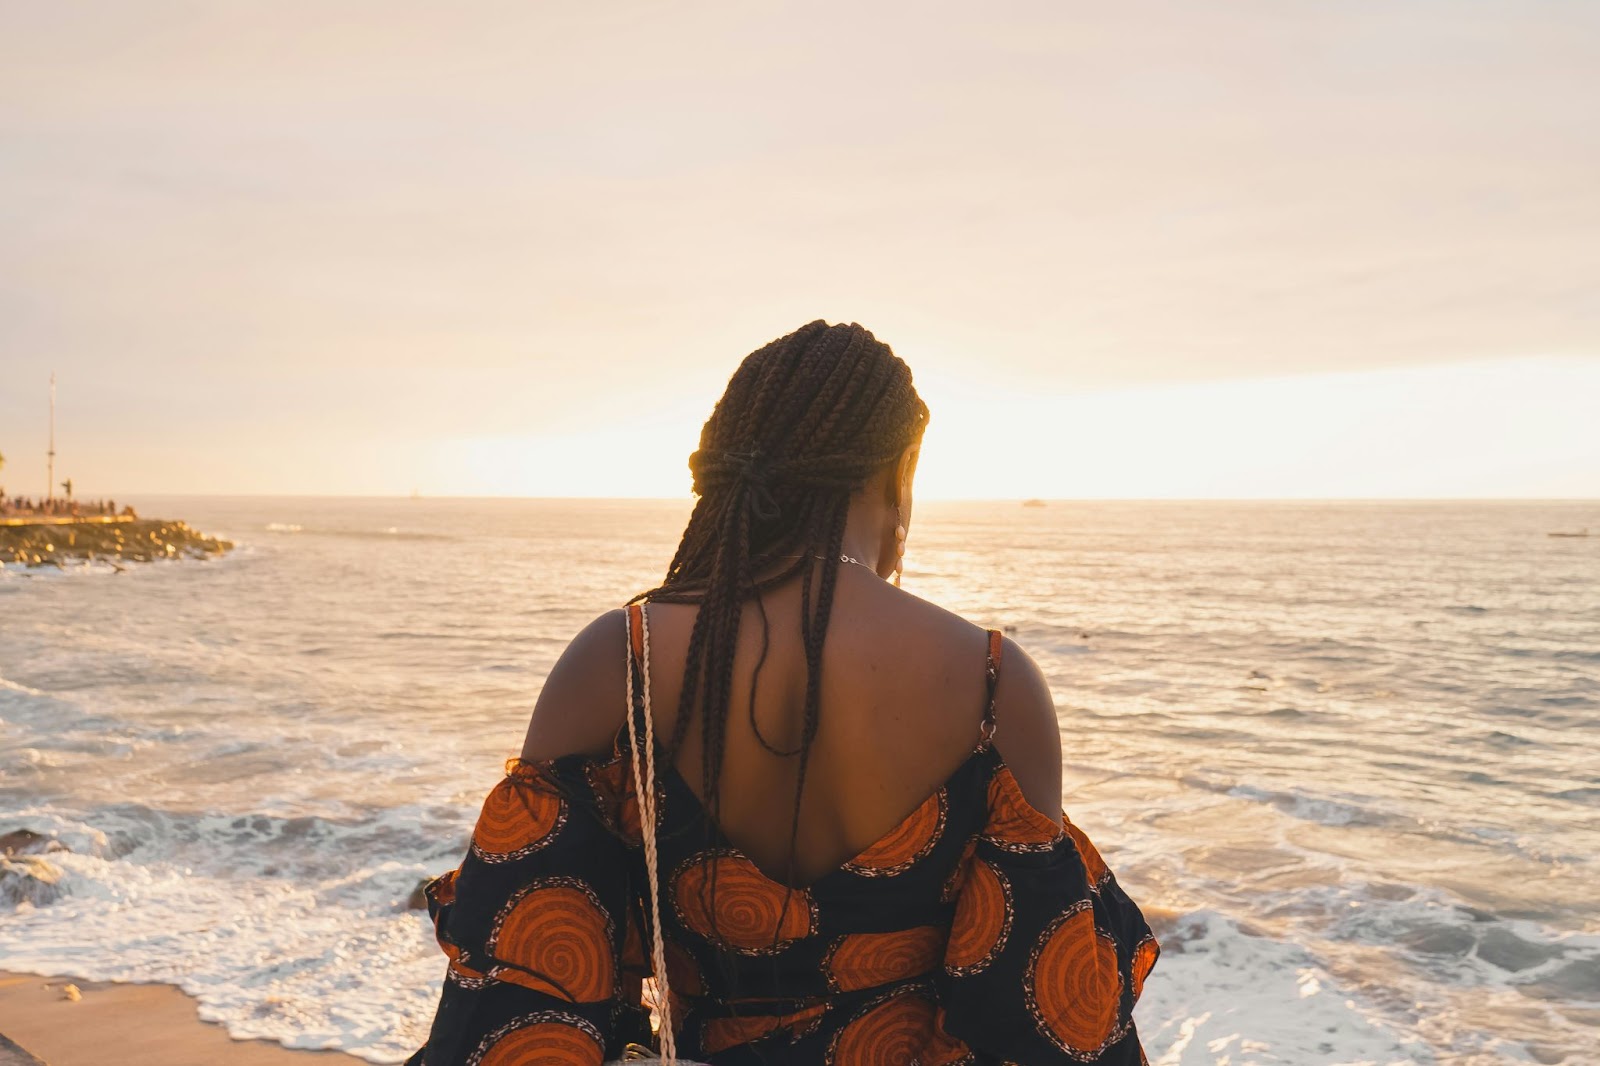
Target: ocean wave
column 385, row 533
column 1219, row 992
column 12, row 686
column 268, row 959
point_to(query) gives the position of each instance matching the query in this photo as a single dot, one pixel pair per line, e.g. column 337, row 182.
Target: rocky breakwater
column 134, row 540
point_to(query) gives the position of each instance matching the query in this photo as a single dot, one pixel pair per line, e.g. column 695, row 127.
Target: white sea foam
column 1226, row 998
column 265, row 956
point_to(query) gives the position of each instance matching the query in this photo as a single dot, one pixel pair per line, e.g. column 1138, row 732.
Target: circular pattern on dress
column 547, row 1038
column 942, row 1049
column 1094, row 866
column 555, row 937
column 1144, row 960
column 958, row 874
column 722, row 896
column 458, row 971
column 862, row 960
column 907, row 843
column 1074, row 988
column 612, row 784
column 720, row 1034
column 1014, row 824
column 683, row 973
column 520, row 815
column 890, row 1032
column 982, row 920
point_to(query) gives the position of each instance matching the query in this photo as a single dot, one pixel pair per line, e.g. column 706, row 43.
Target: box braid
column 805, row 420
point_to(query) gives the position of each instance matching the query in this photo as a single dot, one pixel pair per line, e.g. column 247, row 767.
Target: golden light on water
column 1439, row 430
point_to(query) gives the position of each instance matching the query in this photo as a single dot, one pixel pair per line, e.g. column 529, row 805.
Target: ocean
column 1354, row 746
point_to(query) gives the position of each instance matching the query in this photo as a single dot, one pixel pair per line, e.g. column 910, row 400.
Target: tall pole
column 50, row 491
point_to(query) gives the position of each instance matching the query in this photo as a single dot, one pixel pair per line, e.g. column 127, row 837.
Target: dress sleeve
column 539, row 922
column 1047, row 955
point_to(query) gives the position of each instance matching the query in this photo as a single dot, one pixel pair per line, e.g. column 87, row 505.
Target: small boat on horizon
column 1033, row 503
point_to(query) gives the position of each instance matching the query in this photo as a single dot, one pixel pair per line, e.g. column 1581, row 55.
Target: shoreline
column 130, row 1024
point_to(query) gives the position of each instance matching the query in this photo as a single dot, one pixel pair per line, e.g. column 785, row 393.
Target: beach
column 130, row 1024
column 1344, row 749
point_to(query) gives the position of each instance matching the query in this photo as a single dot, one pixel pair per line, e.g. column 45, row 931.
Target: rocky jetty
column 135, row 540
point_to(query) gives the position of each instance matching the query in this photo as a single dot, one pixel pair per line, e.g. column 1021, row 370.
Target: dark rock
column 1503, row 948
column 27, row 842
column 29, row 879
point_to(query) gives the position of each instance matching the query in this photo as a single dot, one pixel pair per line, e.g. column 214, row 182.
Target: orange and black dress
column 977, row 931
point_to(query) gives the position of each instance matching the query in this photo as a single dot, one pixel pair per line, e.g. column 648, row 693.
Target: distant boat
column 1579, row 533
column 1033, row 503
column 416, row 494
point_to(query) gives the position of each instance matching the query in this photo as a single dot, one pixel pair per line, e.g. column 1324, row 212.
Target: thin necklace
column 843, row 558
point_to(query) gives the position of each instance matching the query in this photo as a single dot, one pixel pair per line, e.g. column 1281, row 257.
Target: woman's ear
column 905, row 468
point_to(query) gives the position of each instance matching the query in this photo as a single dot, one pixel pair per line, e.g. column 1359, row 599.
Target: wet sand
column 131, row 1025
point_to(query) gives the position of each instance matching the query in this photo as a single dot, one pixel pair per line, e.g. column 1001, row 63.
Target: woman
column 859, row 854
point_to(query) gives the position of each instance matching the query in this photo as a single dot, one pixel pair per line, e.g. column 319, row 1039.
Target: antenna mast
column 50, row 491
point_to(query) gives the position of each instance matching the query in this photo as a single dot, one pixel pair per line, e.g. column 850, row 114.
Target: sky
column 1285, row 248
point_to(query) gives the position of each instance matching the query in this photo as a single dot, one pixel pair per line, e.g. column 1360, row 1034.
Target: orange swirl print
column 942, row 1049
column 1144, row 960
column 1093, row 864
column 612, row 783
column 555, row 936
column 520, row 815
column 442, row 889
column 457, row 970
column 742, row 909
column 907, row 843
column 1015, row 824
column 982, row 920
column 441, row 893
column 635, row 957
column 889, row 1033
column 683, row 973
column 720, row 1034
column 548, row 1038
column 861, row 960
column 958, row 876
column 1073, row 986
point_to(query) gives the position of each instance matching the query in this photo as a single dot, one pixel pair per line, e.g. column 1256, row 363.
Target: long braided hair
column 805, row 420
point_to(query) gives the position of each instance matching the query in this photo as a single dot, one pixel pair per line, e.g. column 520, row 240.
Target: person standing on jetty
column 854, row 851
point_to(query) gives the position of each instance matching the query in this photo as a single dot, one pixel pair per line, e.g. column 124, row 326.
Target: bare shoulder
column 581, row 707
column 1026, row 731
column 952, row 649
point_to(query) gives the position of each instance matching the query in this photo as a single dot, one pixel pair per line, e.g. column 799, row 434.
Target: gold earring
column 899, row 545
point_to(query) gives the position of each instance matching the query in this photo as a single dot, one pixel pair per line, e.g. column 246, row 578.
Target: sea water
column 1355, row 748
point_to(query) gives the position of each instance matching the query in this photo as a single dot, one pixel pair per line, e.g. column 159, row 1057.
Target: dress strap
column 991, row 676
column 638, row 668
column 636, row 630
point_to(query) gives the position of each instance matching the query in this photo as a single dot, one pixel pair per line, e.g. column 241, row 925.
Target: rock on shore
column 25, row 875
column 139, row 540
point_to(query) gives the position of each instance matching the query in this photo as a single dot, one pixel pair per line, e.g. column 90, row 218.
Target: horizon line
column 929, row 499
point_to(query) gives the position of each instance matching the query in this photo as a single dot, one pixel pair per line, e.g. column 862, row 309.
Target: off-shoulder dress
column 977, row 931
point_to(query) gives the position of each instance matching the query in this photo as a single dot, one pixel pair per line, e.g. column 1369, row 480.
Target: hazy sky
column 1133, row 249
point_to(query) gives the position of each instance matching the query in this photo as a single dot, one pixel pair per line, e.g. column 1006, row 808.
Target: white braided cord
column 645, row 787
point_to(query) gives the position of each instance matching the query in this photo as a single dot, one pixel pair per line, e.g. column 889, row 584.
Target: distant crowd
column 23, row 506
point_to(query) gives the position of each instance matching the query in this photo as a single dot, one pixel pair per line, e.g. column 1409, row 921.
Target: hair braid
column 805, row 420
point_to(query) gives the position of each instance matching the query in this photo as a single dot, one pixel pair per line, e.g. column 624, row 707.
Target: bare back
column 902, row 702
